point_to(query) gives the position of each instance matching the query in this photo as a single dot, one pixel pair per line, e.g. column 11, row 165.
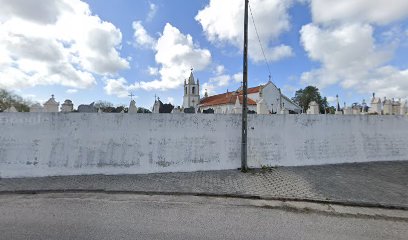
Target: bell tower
column 191, row 92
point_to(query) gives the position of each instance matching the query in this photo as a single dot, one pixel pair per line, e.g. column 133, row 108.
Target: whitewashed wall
column 45, row 144
column 294, row 140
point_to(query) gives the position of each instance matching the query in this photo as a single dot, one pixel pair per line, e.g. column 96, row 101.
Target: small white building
column 132, row 107
column 313, row 108
column 376, row 105
column 387, row 107
column 67, row 106
column 51, row 105
column 403, row 108
column 261, row 105
column 156, row 105
column 37, row 108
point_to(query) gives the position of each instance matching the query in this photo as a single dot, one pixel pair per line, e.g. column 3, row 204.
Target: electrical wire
column 260, row 43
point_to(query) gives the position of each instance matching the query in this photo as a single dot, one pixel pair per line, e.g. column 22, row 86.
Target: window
column 193, row 90
column 185, row 92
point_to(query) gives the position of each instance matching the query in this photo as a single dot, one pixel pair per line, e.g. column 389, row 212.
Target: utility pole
column 244, row 163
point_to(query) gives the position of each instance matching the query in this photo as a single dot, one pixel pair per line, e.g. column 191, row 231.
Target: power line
column 259, row 40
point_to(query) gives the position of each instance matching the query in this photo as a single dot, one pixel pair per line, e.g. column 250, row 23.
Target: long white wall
column 47, row 144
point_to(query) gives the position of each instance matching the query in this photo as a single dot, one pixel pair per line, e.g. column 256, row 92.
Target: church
column 269, row 96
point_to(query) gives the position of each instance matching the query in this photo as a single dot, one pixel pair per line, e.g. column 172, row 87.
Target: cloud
column 222, row 22
column 238, row 77
column 170, row 100
column 55, row 42
column 152, row 12
column 153, row 71
column 350, row 57
column 209, row 88
column 142, row 38
column 72, row 91
column 221, row 81
column 219, row 69
column 380, row 12
column 119, row 87
column 343, row 39
column 175, row 54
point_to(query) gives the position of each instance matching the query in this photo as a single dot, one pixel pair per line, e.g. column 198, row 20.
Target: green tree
column 8, row 99
column 143, row 110
column 303, row 97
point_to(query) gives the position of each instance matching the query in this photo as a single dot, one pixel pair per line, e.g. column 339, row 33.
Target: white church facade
column 268, row 97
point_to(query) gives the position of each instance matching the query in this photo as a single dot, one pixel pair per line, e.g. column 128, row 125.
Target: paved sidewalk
column 365, row 184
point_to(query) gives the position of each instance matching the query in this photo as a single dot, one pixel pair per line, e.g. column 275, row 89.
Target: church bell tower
column 191, row 92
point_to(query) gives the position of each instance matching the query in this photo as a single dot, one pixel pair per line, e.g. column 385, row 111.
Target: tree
column 166, row 108
column 8, row 99
column 303, row 97
column 143, row 110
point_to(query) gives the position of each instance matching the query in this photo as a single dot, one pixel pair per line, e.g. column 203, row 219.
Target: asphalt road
column 104, row 216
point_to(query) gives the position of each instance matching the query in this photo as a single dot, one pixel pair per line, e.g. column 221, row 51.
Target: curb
column 224, row 195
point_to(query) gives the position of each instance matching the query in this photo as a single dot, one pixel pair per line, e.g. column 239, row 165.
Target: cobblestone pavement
column 381, row 183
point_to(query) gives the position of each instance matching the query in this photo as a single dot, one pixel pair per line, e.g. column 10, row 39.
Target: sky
column 94, row 50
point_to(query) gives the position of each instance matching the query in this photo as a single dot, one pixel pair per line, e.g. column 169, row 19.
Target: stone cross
column 131, row 95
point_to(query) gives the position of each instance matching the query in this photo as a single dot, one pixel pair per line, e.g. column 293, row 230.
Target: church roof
column 51, row 101
column 227, row 98
column 191, row 78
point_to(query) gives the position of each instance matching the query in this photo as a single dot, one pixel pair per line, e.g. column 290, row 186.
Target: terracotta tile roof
column 227, row 98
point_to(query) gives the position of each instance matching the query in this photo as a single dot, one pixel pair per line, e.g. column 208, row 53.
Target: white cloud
column 238, row 77
column 142, row 38
column 72, row 91
column 221, row 81
column 351, row 58
column 119, row 87
column 222, row 22
column 55, row 42
column 175, row 54
column 219, row 70
column 153, row 71
column 152, row 12
column 364, row 11
column 170, row 100
column 209, row 88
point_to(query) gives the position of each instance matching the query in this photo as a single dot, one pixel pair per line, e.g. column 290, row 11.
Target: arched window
column 193, row 90
column 185, row 92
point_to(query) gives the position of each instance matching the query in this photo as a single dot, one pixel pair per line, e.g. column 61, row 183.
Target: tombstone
column 284, row 111
column 190, row 110
column 403, row 108
column 356, row 110
column 67, row 106
column 132, row 107
column 375, row 105
column 37, row 108
column 261, row 107
column 387, row 107
column 11, row 109
column 209, row 111
column 156, row 105
column 177, row 110
column 396, row 107
column 237, row 107
column 313, row 108
column 51, row 105
column 87, row 108
column 348, row 111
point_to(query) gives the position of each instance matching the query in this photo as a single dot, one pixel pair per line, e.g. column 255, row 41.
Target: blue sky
column 101, row 50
